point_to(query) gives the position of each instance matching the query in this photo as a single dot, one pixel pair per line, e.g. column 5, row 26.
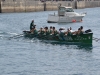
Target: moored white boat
column 65, row 14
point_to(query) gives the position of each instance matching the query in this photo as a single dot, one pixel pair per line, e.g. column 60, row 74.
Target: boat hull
column 83, row 38
column 61, row 19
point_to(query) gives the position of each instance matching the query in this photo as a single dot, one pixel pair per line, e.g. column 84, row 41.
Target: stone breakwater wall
column 31, row 6
column 34, row 6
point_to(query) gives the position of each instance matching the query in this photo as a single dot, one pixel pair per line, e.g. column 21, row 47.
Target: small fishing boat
column 65, row 14
column 85, row 38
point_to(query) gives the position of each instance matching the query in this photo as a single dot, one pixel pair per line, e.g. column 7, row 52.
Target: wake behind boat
column 65, row 14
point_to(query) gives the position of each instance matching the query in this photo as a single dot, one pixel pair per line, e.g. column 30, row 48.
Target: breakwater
column 34, row 6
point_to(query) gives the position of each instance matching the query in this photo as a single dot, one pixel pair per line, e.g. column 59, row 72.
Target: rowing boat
column 82, row 38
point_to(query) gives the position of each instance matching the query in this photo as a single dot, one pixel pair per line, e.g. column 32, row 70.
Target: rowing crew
column 53, row 31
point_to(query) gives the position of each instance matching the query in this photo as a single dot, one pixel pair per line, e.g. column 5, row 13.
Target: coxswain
column 32, row 25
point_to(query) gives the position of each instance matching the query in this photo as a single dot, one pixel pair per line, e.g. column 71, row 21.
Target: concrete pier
column 7, row 6
column 0, row 6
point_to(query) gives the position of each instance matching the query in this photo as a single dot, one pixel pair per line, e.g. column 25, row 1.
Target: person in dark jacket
column 32, row 25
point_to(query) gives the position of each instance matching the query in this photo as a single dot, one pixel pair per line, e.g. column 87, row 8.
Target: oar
column 96, row 39
column 16, row 36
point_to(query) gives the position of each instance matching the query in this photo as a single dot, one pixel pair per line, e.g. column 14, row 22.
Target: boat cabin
column 63, row 9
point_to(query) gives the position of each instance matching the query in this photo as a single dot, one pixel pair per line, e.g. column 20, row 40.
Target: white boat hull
column 58, row 19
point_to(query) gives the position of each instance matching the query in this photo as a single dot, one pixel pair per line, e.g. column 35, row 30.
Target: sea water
column 24, row 56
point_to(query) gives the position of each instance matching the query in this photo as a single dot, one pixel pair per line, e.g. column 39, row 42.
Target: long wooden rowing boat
column 82, row 38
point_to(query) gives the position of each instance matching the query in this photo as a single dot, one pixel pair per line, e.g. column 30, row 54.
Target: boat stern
column 87, row 38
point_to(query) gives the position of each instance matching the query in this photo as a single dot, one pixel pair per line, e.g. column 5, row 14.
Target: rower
column 33, row 30
column 51, row 29
column 71, row 30
column 41, row 31
column 81, row 30
column 77, row 32
column 54, row 31
column 46, row 31
column 62, row 30
column 68, row 32
column 62, row 33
